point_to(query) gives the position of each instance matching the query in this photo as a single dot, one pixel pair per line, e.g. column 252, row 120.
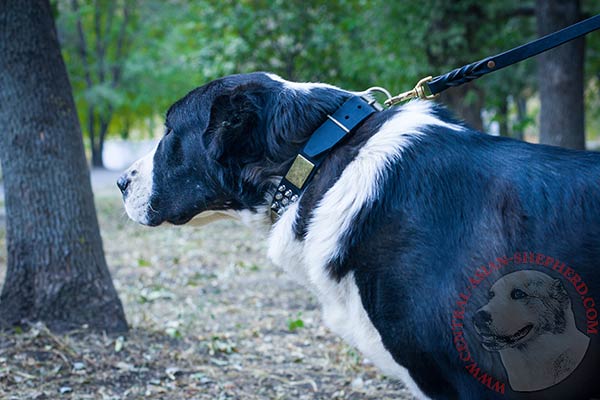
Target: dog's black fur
column 455, row 200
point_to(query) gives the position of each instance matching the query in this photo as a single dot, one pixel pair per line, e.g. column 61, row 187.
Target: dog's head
column 522, row 306
column 226, row 144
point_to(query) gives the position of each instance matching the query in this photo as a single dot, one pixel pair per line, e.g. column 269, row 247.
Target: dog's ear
column 558, row 291
column 233, row 130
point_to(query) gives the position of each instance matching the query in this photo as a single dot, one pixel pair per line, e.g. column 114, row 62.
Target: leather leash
column 429, row 87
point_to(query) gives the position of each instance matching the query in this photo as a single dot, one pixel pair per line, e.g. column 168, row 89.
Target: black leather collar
column 336, row 127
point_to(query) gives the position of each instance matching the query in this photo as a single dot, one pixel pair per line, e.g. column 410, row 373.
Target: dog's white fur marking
column 307, row 261
column 137, row 202
column 302, row 87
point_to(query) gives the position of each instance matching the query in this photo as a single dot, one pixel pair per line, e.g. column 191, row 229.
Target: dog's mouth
column 497, row 342
column 201, row 218
column 179, row 220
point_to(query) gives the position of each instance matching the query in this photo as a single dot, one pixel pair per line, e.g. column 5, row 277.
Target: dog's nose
column 123, row 182
column 482, row 318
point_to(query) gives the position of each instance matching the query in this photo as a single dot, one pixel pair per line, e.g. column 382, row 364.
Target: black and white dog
column 403, row 230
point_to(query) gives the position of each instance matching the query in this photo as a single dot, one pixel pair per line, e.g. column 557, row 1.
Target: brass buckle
column 417, row 91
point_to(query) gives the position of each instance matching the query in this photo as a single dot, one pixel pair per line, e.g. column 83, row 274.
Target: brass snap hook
column 417, row 91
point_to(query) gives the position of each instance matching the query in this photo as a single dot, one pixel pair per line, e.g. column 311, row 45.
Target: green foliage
column 295, row 323
column 143, row 262
column 172, row 46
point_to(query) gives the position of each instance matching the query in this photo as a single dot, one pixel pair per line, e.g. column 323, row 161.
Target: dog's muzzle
column 136, row 186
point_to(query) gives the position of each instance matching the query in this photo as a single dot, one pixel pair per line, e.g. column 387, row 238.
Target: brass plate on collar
column 299, row 171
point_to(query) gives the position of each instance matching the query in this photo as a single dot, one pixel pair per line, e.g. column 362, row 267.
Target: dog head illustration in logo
column 529, row 321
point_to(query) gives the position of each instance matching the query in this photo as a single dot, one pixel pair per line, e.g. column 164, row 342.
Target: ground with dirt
column 210, row 318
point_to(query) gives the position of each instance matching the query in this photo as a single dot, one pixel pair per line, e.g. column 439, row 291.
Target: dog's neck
column 545, row 360
column 338, row 126
column 295, row 115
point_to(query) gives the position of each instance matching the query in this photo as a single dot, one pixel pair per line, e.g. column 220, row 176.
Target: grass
column 210, row 318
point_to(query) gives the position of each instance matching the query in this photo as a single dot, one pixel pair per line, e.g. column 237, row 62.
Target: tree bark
column 560, row 77
column 56, row 268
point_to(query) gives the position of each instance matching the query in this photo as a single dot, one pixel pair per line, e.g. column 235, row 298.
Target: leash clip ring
column 372, row 101
column 380, row 90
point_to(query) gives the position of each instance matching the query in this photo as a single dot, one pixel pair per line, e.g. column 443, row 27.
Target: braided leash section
column 461, row 75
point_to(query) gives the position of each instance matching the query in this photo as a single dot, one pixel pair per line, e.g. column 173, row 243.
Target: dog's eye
column 518, row 294
column 491, row 294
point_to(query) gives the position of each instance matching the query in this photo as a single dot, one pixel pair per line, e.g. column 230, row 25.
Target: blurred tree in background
column 560, row 77
column 130, row 59
column 97, row 42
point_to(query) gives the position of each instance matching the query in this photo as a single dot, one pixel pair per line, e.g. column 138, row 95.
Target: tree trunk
column 102, row 131
column 560, row 77
column 97, row 161
column 95, row 145
column 56, row 268
column 521, row 103
column 503, row 117
column 466, row 102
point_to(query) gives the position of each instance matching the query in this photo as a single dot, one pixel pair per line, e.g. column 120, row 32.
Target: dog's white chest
column 343, row 311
